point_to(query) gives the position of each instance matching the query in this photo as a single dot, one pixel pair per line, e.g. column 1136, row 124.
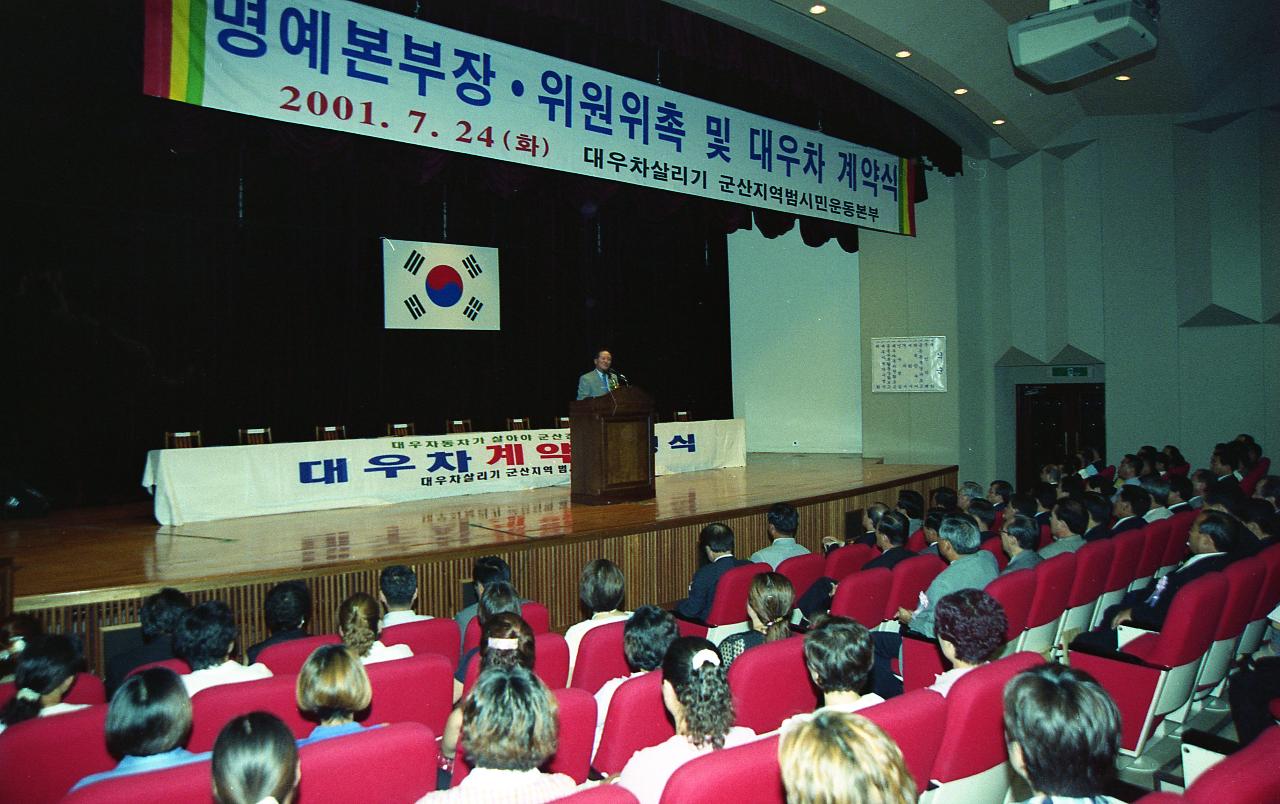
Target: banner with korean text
column 195, row 485
column 439, row 286
column 347, row 67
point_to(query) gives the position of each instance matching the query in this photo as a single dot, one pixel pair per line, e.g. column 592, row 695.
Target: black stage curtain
column 173, row 268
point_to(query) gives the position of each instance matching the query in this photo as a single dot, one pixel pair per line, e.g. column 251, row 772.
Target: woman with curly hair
column 769, row 604
column 696, row 693
column 970, row 626
column 358, row 625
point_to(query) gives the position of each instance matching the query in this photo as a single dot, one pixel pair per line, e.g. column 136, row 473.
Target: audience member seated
column 998, row 494
column 769, row 602
column 509, row 719
column 1259, row 518
column 1098, row 510
column 716, row 541
column 332, row 688
column 159, row 616
column 1225, row 463
column 871, row 517
column 780, row 523
column 967, row 493
column 645, row 640
column 499, row 598
column 696, row 693
column 1214, row 538
column 398, row 592
column 1179, row 493
column 1128, row 472
column 1201, row 479
column 287, row 609
column 255, row 761
column 837, row 652
column 358, row 626
column 1071, row 485
column 1050, row 474
column 1250, row 691
column 944, row 497
column 15, row 633
column 841, row 758
column 46, row 670
column 1067, row 525
column 1045, row 496
column 1269, row 489
column 1174, row 460
column 205, row 638
column 1024, row 504
column 968, row 568
column 1158, row 488
column 970, row 625
column 1063, row 733
column 1019, row 536
column 507, row 641
column 148, row 724
column 891, row 539
column 485, row 571
column 1131, row 504
column 932, row 521
column 601, row 587
column 985, row 513
column 911, row 504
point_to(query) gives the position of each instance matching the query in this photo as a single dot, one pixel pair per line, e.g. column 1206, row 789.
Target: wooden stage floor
column 91, row 556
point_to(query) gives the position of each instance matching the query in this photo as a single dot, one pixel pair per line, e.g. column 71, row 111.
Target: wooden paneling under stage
column 85, row 569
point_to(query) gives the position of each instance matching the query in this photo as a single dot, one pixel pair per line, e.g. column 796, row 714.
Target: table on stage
column 200, row 484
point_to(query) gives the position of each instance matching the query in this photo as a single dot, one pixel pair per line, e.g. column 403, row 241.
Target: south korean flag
column 439, row 286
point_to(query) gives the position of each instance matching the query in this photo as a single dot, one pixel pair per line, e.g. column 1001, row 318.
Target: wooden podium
column 612, row 438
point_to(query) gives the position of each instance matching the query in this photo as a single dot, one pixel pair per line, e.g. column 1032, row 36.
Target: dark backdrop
column 170, row 268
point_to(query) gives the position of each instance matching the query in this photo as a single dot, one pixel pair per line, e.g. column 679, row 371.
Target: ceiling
column 1202, row 46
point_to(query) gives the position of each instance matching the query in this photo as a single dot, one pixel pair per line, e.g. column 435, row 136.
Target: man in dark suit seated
column 891, row 538
column 1214, row 540
column 287, row 609
column 1180, row 494
column 1225, row 464
column 985, row 513
column 1131, row 503
column 1099, row 510
column 716, row 540
column 160, row 613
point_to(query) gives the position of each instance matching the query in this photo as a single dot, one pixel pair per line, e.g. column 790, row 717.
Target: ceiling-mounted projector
column 1065, row 43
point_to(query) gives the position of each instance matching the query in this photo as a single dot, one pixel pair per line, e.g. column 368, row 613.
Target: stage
column 85, row 569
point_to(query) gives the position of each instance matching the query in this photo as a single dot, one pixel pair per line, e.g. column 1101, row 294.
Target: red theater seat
column 909, row 579
column 533, row 613
column 636, row 719
column 802, row 571
column 861, row 596
column 550, row 662
column 1244, row 583
column 1246, row 777
column 394, row 764
column 1053, row 580
column 438, row 635
column 1093, row 563
column 86, row 689
column 1014, row 592
column 576, row 716
column 41, row 758
column 191, row 782
column 730, row 603
column 844, row 561
column 770, row 683
column 1126, row 552
column 287, row 658
column 914, row 721
column 213, row 708
column 730, row 776
column 996, row 549
column 600, row 657
column 418, row 689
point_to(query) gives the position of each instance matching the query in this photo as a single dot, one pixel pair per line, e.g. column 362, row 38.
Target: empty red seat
column 1127, row 551
column 636, row 719
column 914, row 721
column 600, row 657
column 730, row 602
column 532, row 612
column 213, row 708
column 1155, row 543
column 1014, row 592
column 1093, row 563
column 86, row 689
column 916, row 541
column 909, row 579
column 1048, row 603
column 287, row 658
column 1176, row 547
column 846, row 560
column 41, row 758
column 1245, row 777
column 802, row 571
column 550, row 662
column 730, row 776
column 996, row 549
column 861, row 596
column 770, row 683
column 438, row 635
column 418, row 689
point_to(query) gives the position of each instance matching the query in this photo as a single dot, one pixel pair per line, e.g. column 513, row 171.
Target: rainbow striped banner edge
column 173, row 59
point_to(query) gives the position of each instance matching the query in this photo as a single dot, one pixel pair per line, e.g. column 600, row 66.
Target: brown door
column 1053, row 422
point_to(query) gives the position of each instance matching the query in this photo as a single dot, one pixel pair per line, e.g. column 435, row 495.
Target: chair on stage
column 253, row 435
column 681, row 416
column 183, row 439
column 401, row 429
column 457, row 426
column 518, row 423
column 287, row 658
column 438, row 635
column 561, row 422
column 331, row 432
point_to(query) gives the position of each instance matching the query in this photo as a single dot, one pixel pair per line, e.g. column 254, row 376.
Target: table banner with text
column 347, row 67
column 195, row 485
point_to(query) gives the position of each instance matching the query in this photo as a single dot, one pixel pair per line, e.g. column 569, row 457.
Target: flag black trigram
column 413, row 263
column 415, row 307
column 473, row 308
column 472, row 265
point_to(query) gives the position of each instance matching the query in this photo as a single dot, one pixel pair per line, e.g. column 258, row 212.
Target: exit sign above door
column 1070, row 371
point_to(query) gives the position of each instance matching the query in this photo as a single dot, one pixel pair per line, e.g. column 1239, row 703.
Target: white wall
column 797, row 358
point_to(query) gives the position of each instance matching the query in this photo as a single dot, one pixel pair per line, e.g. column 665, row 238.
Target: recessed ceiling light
column 1122, row 78
column 999, row 121
column 817, row 9
column 903, row 54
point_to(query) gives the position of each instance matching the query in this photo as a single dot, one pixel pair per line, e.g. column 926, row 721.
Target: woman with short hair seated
column 46, row 669
column 970, row 626
column 509, row 718
column 499, row 597
column 769, row 603
column 506, row 641
column 843, row 758
column 332, row 687
column 148, row 723
column 255, row 761
column 838, row 654
column 645, row 640
column 696, row 693
column 359, row 624
column 204, row 638
column 600, row 589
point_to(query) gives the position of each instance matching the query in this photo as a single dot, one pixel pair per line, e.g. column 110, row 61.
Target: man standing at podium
column 601, row 379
